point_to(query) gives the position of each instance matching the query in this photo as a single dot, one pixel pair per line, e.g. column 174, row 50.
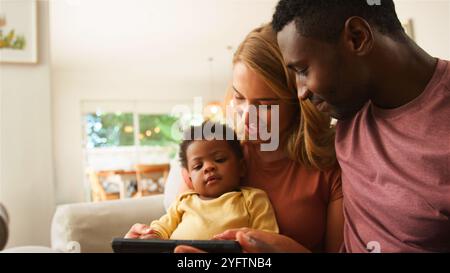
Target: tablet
column 121, row 245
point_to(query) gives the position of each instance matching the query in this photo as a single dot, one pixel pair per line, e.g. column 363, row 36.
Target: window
column 116, row 141
column 156, row 130
column 109, row 129
column 120, row 135
column 117, row 129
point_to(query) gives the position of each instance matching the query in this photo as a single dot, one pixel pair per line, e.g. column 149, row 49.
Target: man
column 353, row 60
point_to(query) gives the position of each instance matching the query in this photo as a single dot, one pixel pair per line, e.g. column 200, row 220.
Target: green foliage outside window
column 156, row 130
column 117, row 129
column 109, row 129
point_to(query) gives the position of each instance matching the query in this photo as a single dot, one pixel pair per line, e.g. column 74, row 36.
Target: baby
column 216, row 202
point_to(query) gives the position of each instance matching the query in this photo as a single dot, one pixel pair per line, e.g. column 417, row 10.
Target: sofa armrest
column 93, row 225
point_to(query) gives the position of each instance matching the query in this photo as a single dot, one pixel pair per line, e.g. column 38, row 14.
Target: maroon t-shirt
column 395, row 173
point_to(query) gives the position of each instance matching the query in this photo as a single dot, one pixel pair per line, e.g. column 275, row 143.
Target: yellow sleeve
column 262, row 216
column 166, row 225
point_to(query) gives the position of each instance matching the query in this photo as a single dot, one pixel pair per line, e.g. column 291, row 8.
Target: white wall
column 26, row 169
column 139, row 50
column 431, row 21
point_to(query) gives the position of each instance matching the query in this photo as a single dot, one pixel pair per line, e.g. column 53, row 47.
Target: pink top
column 395, row 173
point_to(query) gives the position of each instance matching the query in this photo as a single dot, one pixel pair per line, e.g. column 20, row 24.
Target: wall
column 26, row 168
column 431, row 21
column 149, row 51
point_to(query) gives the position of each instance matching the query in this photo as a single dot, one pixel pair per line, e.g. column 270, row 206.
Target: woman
column 301, row 177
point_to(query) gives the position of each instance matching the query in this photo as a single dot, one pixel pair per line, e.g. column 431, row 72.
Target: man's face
column 332, row 78
column 213, row 167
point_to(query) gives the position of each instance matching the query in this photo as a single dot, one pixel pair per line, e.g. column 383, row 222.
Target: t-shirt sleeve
column 335, row 185
column 166, row 225
column 262, row 215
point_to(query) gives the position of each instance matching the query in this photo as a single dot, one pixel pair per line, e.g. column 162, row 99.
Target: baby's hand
column 149, row 236
column 141, row 231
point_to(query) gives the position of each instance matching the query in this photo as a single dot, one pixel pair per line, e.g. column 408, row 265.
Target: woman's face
column 249, row 89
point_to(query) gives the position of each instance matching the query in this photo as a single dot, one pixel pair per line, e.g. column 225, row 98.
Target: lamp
column 213, row 112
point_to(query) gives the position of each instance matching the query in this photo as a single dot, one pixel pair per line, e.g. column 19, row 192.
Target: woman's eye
column 237, row 96
column 303, row 72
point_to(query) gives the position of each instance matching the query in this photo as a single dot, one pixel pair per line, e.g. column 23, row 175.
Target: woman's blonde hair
column 311, row 139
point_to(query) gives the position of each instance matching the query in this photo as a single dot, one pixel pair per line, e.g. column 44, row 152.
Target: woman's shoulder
column 325, row 176
column 332, row 182
column 332, row 175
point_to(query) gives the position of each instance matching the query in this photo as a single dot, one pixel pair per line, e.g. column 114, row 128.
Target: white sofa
column 92, row 226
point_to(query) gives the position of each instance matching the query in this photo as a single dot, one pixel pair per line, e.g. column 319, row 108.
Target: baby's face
column 213, row 167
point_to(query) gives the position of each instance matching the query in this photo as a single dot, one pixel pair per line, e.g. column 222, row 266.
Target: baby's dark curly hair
column 214, row 131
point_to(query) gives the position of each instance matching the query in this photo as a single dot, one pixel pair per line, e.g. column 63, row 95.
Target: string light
column 128, row 129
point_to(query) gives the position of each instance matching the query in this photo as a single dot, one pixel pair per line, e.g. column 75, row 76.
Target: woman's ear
column 187, row 179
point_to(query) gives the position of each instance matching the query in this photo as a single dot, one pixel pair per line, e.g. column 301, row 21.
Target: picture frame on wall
column 18, row 31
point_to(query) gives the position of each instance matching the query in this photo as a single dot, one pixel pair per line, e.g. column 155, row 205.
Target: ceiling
column 170, row 38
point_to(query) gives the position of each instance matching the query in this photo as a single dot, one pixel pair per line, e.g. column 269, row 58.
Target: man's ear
column 358, row 36
column 187, row 178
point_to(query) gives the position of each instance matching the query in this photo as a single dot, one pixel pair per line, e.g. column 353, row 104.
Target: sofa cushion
column 92, row 226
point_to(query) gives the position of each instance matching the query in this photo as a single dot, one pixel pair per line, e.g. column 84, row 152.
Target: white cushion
column 94, row 225
column 173, row 183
